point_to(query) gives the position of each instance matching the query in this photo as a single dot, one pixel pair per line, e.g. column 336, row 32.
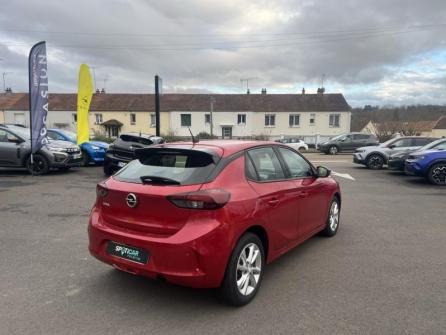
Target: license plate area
column 129, row 253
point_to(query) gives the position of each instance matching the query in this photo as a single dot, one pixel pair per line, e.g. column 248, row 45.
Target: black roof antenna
column 194, row 140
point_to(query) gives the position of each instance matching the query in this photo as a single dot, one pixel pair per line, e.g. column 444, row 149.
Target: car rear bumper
column 195, row 256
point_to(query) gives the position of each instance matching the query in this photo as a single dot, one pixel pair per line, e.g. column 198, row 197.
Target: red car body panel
column 192, row 247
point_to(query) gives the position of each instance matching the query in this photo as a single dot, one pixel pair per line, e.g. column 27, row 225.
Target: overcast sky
column 374, row 52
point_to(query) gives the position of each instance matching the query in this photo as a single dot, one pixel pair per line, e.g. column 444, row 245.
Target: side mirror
column 15, row 140
column 322, row 172
column 391, row 146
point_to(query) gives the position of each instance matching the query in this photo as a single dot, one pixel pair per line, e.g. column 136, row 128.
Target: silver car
column 15, row 150
column 375, row 157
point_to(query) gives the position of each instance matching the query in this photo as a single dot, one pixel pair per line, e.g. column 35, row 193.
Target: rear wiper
column 158, row 180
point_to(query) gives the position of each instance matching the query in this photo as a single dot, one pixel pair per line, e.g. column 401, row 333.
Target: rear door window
column 266, row 164
column 184, row 168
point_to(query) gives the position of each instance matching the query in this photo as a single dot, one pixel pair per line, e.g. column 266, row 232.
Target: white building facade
column 275, row 125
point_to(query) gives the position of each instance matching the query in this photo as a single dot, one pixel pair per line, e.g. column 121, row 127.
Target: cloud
column 201, row 46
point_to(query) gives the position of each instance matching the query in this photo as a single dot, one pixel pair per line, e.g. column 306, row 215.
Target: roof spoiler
column 144, row 152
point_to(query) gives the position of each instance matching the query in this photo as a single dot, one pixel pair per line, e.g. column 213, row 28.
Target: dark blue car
column 92, row 151
column 430, row 164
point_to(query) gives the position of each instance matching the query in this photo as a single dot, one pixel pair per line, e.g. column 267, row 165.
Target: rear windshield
column 136, row 139
column 184, row 168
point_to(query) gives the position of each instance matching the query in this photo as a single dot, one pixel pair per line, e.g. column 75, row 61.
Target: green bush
column 205, row 136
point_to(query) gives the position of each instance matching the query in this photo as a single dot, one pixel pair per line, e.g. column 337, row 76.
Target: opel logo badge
column 131, row 200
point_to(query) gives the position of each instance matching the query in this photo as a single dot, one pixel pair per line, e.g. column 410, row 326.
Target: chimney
column 263, row 90
column 248, row 91
column 321, row 90
column 97, row 91
column 303, row 90
column 8, row 90
column 103, row 91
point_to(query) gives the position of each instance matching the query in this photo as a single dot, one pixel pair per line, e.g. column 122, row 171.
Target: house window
column 294, row 120
column 207, row 118
column 334, row 120
column 74, row 117
column 132, row 118
column 186, row 120
column 312, row 119
column 270, row 120
column 241, row 119
column 98, row 118
column 152, row 120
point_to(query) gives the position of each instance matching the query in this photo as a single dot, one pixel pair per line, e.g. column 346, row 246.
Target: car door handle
column 303, row 194
column 273, row 202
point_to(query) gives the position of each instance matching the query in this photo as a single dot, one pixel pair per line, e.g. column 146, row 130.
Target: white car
column 294, row 143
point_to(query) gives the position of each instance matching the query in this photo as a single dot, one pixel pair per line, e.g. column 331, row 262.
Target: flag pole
column 30, row 81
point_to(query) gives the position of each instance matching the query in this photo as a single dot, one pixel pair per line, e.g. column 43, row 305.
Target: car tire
column 85, row 159
column 333, row 219
column 375, row 162
column 333, row 150
column 437, row 174
column 108, row 170
column 243, row 277
column 41, row 165
column 302, row 149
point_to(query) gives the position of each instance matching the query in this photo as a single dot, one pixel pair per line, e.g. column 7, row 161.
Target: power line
column 114, row 34
column 242, row 44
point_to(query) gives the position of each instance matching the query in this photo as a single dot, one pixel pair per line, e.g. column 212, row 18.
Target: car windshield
column 71, row 135
column 432, row 145
column 339, row 137
column 178, row 167
column 388, row 142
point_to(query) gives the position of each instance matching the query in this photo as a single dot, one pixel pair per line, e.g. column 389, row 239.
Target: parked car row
column 421, row 156
column 61, row 152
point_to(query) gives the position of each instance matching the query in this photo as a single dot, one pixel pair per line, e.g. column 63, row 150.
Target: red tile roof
column 188, row 102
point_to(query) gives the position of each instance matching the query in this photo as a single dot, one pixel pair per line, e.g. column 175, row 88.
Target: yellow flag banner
column 84, row 95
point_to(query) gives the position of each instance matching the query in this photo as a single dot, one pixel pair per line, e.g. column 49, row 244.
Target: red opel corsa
column 211, row 214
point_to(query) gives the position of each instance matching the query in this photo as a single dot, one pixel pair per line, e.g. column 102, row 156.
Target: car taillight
column 101, row 190
column 205, row 199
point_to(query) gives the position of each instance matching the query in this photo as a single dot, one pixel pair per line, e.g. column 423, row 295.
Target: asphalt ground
column 384, row 272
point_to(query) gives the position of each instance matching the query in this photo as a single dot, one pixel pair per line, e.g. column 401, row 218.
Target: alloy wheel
column 334, row 216
column 439, row 174
column 333, row 150
column 375, row 162
column 249, row 268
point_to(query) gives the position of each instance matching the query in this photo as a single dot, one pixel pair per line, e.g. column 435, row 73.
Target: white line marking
column 342, row 175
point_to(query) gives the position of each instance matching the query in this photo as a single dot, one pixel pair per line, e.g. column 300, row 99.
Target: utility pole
column 4, row 74
column 242, row 80
column 157, row 104
column 212, row 100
